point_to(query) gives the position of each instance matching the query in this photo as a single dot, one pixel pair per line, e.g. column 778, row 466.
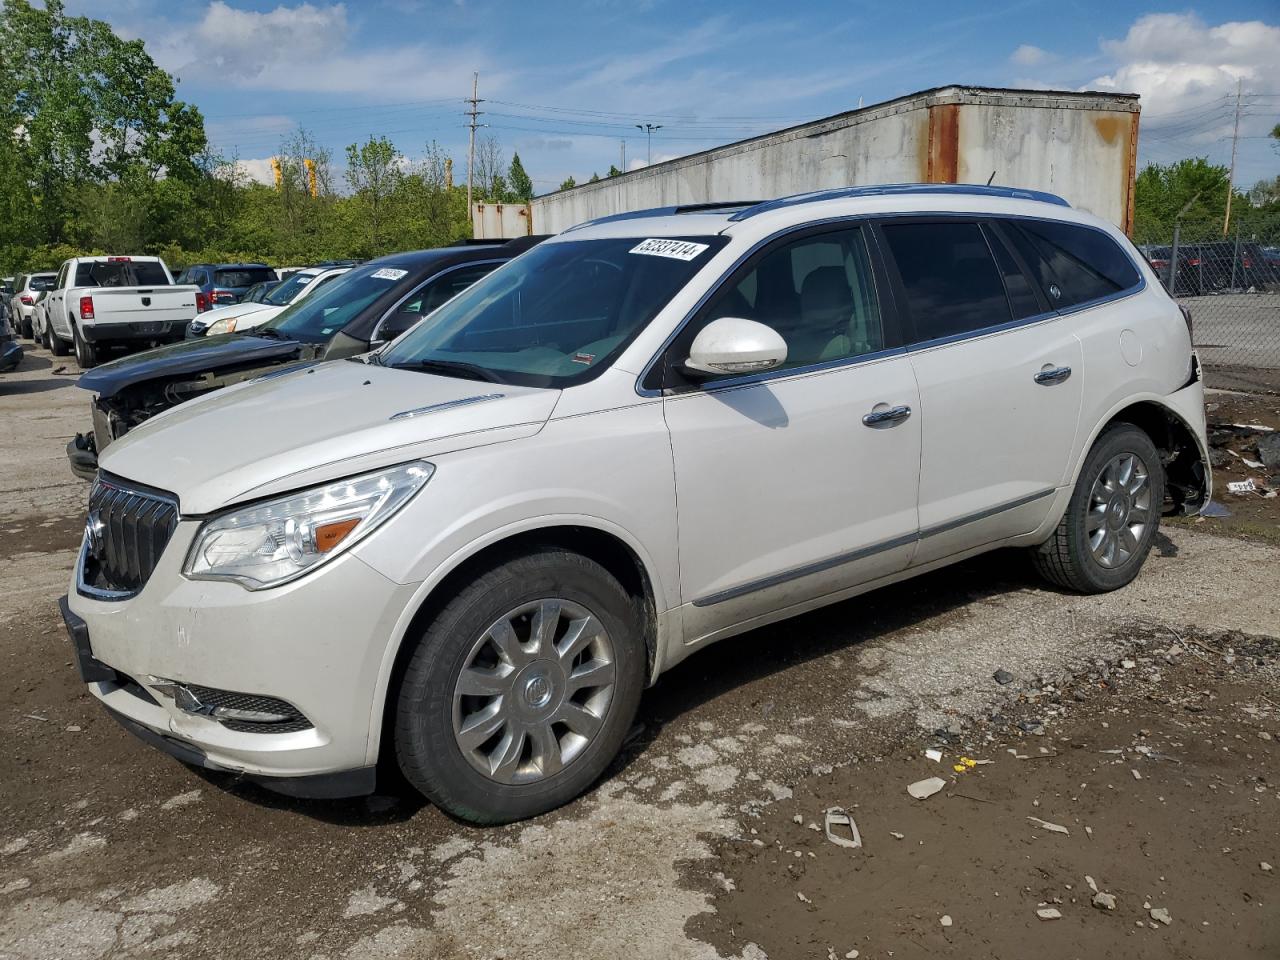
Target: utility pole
column 1231, row 177
column 648, row 128
column 474, row 112
column 623, row 144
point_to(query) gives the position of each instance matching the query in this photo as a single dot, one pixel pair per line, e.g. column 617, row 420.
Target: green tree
column 595, row 178
column 374, row 173
column 568, row 183
column 1163, row 190
column 613, row 171
column 521, row 185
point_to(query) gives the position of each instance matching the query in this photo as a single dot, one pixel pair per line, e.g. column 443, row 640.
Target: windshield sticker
column 586, row 358
column 674, row 249
column 389, row 273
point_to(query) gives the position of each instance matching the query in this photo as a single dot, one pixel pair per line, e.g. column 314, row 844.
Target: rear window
column 245, row 277
column 1074, row 264
column 951, row 282
column 129, row 273
column 41, row 283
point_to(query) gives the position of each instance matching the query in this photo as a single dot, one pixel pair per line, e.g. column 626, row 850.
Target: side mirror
column 734, row 345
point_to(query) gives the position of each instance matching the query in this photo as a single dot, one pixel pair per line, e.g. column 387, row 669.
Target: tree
column 521, row 185
column 1161, row 191
column 613, row 171
column 595, row 178
column 374, row 172
column 488, row 179
column 568, row 183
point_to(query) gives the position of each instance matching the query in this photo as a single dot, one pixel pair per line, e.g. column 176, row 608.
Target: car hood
column 230, row 310
column 314, row 424
column 184, row 357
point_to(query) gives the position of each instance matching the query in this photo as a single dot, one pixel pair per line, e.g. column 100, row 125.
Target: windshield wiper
column 269, row 332
column 457, row 368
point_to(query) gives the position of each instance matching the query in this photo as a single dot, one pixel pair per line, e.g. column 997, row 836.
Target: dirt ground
column 108, row 849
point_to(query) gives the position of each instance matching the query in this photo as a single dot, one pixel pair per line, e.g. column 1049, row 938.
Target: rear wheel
column 520, row 691
column 1113, row 516
column 57, row 346
column 28, row 332
column 86, row 353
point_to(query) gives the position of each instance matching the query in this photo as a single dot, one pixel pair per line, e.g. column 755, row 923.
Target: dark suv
column 224, row 283
column 362, row 309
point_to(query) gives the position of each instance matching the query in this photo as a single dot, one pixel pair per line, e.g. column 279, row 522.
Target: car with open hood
column 464, row 555
column 362, row 308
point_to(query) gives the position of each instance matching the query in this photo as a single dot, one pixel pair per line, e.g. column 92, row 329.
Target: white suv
column 470, row 552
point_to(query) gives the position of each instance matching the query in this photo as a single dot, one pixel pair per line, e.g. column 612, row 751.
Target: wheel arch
column 1182, row 451
column 609, row 547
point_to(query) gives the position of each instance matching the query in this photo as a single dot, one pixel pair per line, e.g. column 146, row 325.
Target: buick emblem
column 93, row 528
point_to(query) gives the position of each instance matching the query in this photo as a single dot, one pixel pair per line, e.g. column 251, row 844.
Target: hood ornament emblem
column 446, row 405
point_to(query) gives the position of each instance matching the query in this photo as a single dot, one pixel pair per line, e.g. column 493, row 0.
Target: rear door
column 1000, row 382
column 785, row 494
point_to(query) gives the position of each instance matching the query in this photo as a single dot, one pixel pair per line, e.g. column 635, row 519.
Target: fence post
column 1173, row 260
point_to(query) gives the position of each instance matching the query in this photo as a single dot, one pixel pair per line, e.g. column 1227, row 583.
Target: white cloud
column 1178, row 63
column 1029, row 55
column 257, row 169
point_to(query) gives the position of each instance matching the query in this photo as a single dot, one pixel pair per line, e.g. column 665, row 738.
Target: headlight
column 225, row 325
column 271, row 543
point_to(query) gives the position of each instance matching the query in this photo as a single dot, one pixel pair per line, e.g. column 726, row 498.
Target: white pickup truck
column 98, row 302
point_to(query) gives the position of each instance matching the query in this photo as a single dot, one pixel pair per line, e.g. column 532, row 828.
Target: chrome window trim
column 377, row 327
column 880, row 218
column 820, row 566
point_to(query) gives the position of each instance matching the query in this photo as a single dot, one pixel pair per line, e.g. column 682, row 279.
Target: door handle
column 886, row 418
column 1047, row 378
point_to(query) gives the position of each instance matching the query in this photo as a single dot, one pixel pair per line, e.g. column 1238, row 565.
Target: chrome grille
column 126, row 532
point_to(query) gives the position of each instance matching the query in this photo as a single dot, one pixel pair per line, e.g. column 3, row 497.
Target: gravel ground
column 108, row 849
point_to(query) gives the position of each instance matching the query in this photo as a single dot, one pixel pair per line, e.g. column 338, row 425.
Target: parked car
column 224, row 283
column 1189, row 277
column 22, row 304
column 39, row 318
column 245, row 316
column 102, row 302
column 364, row 308
column 10, row 349
column 469, row 554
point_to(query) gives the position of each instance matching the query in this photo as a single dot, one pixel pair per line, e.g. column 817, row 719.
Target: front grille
column 213, row 697
column 127, row 531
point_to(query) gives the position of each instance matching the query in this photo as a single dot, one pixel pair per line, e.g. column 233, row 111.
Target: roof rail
column 669, row 211
column 889, row 189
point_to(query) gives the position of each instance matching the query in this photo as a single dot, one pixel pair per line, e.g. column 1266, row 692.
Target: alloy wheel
column 534, row 691
column 1119, row 510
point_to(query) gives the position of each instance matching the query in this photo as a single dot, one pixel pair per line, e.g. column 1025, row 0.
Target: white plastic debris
column 934, row 755
column 1242, row 486
column 1051, row 827
column 837, row 816
column 924, row 789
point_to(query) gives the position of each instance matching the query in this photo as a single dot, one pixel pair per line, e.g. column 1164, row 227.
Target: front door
column 784, row 494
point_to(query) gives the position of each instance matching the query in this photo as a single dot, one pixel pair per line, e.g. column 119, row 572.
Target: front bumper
column 317, row 643
column 121, row 332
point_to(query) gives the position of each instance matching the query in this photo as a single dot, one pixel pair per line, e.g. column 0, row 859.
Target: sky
column 565, row 84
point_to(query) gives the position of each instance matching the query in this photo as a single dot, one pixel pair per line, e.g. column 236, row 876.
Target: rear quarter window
column 1073, row 264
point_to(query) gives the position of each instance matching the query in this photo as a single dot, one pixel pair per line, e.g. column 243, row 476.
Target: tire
column 1101, row 544
column 528, row 698
column 86, row 353
column 57, row 346
column 28, row 331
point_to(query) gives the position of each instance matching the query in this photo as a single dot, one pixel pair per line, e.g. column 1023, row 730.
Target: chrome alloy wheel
column 534, row 691
column 1119, row 510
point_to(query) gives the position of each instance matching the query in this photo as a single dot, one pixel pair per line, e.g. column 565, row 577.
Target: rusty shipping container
column 1082, row 146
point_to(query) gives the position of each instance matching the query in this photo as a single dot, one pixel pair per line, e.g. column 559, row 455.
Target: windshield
column 317, row 317
column 284, row 292
column 121, row 273
column 242, row 276
column 556, row 315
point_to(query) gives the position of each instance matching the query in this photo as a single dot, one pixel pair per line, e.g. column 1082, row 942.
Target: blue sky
column 565, row 83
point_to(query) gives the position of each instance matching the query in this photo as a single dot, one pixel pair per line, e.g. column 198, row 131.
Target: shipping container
column 1081, row 146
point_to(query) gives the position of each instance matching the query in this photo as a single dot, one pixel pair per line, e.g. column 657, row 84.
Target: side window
column 61, row 282
column 1022, row 296
column 1074, row 264
column 951, row 282
column 817, row 292
column 428, row 298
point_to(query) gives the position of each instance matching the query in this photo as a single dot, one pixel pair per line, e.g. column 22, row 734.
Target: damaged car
column 360, row 310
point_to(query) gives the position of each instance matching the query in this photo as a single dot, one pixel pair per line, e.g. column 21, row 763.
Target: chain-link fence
column 1232, row 287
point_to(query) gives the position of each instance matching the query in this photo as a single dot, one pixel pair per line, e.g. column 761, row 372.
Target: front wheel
column 1113, row 516
column 520, row 691
column 57, row 346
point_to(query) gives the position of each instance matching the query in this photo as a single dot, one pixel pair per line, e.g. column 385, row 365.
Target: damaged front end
column 132, row 394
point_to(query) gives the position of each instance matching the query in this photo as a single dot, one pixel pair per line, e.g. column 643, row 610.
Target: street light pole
column 648, row 128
